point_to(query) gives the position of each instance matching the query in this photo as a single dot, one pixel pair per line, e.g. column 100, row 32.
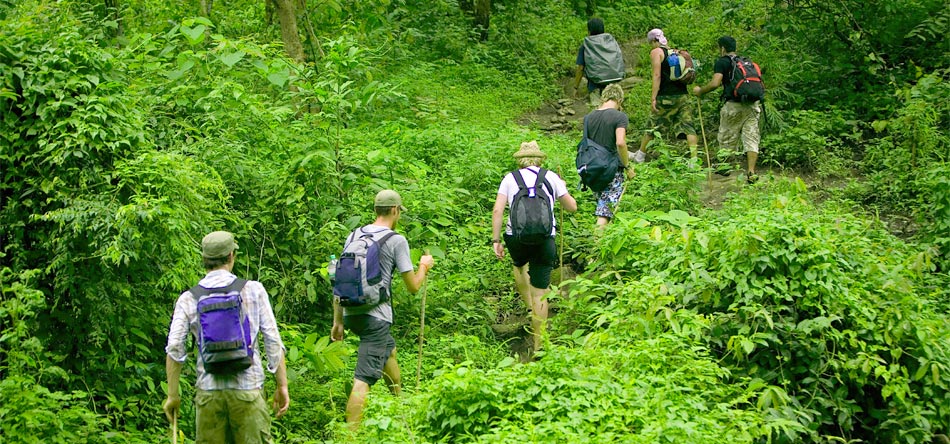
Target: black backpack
column 745, row 82
column 596, row 164
column 532, row 217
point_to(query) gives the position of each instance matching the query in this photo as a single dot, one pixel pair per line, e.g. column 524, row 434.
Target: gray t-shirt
column 602, row 126
column 393, row 255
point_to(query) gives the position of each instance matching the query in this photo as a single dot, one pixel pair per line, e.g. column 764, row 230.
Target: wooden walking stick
column 702, row 127
column 422, row 327
column 560, row 234
column 175, row 427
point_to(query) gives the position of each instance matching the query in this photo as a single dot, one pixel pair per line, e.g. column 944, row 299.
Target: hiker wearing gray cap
column 226, row 315
column 376, row 357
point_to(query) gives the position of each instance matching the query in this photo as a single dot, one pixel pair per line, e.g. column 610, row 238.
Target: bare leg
column 392, row 375
column 522, row 283
column 354, row 405
column 693, row 143
column 602, row 222
column 647, row 137
column 539, row 315
column 751, row 157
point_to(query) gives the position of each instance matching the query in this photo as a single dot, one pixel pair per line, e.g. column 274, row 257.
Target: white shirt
column 509, row 187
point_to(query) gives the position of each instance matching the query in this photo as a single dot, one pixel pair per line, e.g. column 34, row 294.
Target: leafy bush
column 813, row 301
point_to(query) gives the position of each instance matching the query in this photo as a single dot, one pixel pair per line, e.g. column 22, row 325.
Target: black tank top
column 667, row 86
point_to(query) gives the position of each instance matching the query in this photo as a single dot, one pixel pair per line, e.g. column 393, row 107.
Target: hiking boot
column 752, row 178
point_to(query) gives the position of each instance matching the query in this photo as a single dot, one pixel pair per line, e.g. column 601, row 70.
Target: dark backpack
column 596, row 164
column 681, row 66
column 224, row 332
column 532, row 217
column 603, row 59
column 745, row 83
column 359, row 274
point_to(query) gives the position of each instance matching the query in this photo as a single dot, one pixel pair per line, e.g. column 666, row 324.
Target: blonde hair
column 525, row 162
column 613, row 92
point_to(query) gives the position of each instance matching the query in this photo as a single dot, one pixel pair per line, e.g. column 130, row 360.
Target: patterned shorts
column 674, row 116
column 609, row 196
column 739, row 119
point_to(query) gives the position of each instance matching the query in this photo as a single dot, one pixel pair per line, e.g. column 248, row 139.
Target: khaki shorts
column 231, row 416
column 674, row 116
column 739, row 120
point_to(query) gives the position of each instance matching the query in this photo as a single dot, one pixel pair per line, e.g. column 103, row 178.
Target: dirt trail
column 566, row 114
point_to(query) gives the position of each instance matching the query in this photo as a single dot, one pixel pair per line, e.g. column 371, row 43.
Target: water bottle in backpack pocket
column 225, row 345
column 359, row 274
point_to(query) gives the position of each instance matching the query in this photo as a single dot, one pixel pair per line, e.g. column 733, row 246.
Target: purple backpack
column 224, row 332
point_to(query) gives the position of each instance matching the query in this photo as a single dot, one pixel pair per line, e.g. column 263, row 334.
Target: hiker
column 531, row 242
column 670, row 108
column 607, row 125
column 376, row 357
column 736, row 118
column 600, row 60
column 229, row 396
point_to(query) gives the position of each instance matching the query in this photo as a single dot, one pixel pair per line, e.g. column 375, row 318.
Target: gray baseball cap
column 218, row 244
column 388, row 198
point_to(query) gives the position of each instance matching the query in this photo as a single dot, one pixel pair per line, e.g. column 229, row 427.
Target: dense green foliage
column 791, row 314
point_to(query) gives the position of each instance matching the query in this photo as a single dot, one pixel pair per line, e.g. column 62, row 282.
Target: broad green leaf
column 231, row 59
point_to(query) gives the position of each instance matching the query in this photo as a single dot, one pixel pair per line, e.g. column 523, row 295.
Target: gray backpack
column 603, row 60
column 359, row 273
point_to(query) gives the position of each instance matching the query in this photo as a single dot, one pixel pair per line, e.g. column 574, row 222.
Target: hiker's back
column 363, row 283
column 603, row 59
column 668, row 86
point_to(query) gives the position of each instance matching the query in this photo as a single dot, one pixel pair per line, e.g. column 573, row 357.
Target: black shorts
column 376, row 344
column 542, row 259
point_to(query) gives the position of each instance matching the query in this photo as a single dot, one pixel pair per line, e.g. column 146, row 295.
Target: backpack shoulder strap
column 585, row 125
column 519, row 179
column 237, row 285
column 382, row 240
column 542, row 178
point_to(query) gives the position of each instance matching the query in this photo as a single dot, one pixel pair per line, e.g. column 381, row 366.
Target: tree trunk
column 482, row 18
column 206, row 8
column 113, row 11
column 288, row 29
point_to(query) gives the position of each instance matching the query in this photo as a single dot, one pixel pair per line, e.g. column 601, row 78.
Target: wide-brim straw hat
column 530, row 149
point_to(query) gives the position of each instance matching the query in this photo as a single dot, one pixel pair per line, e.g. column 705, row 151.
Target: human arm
column 568, row 203
column 414, row 279
column 656, row 61
column 714, row 83
column 173, row 379
column 281, row 395
column 497, row 218
column 578, row 74
column 175, row 355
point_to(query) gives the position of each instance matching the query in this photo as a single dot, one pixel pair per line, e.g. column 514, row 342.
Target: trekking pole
column 560, row 235
column 175, row 427
column 702, row 127
column 422, row 327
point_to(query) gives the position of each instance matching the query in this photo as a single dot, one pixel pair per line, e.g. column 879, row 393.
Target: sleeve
column 580, row 55
column 623, row 121
column 178, row 331
column 560, row 187
column 401, row 253
column 723, row 64
column 273, row 345
column 506, row 185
